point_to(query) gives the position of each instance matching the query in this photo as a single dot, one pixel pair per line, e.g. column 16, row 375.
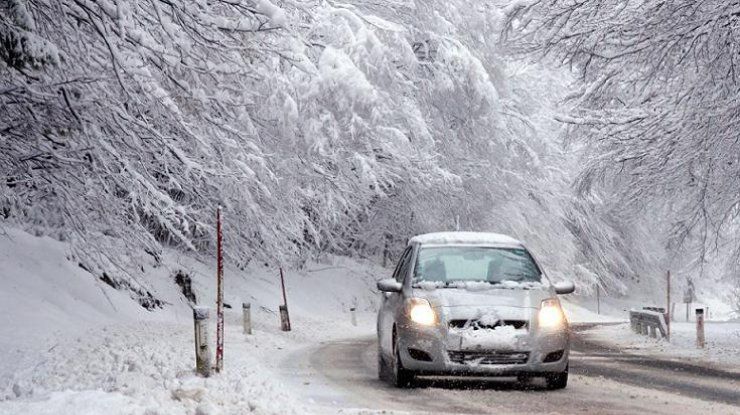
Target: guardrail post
column 353, row 316
column 202, row 352
column 247, row 318
column 700, row 328
column 649, row 321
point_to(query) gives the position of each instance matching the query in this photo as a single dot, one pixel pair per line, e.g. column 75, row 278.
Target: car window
column 403, row 265
column 474, row 263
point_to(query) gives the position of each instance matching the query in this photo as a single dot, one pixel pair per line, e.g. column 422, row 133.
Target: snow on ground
column 722, row 340
column 722, row 337
column 71, row 344
column 639, row 297
column 146, row 368
column 578, row 314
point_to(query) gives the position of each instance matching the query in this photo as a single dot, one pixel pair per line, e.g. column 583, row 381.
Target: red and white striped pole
column 219, row 295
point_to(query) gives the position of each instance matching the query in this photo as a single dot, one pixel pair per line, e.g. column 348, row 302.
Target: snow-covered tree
column 657, row 110
column 319, row 127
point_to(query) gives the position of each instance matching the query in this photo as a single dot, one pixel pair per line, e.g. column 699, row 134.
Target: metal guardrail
column 649, row 321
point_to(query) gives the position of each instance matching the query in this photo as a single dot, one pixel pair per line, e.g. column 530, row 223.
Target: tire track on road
column 711, row 384
column 343, row 375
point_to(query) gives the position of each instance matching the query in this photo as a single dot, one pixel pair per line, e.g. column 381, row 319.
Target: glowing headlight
column 421, row 312
column 551, row 315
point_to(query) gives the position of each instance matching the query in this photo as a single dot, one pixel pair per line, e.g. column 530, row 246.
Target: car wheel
column 557, row 380
column 400, row 377
column 382, row 366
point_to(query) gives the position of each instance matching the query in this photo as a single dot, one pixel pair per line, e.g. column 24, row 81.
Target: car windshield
column 448, row 264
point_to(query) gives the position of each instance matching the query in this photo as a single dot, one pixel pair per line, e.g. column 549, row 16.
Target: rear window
column 444, row 264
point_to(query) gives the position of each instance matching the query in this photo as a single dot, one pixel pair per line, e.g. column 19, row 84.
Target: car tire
column 383, row 369
column 399, row 376
column 557, row 380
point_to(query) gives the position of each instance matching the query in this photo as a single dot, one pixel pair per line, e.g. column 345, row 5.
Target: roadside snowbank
column 69, row 343
column 577, row 314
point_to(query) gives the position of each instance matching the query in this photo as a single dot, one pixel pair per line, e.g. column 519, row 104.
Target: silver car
column 471, row 304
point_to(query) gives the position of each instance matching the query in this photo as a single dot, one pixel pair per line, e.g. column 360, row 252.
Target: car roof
column 465, row 238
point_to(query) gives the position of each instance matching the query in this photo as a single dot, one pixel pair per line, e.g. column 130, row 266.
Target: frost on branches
column 318, row 128
column 658, row 113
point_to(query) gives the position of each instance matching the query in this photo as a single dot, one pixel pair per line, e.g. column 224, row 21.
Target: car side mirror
column 564, row 287
column 389, row 285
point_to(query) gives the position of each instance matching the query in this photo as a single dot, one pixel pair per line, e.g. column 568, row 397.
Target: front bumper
column 439, row 357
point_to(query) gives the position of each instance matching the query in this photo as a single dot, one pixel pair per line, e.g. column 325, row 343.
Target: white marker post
column 202, row 352
column 247, row 319
column 700, row 328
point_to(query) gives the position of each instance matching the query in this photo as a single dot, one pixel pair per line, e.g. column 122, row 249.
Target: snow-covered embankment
column 70, row 343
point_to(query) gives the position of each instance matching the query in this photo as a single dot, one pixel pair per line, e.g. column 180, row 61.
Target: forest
column 603, row 134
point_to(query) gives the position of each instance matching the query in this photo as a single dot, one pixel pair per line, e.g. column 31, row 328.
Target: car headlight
column 551, row 315
column 421, row 312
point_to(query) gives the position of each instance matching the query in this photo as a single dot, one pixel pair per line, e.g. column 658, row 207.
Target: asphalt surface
column 672, row 376
column 341, row 377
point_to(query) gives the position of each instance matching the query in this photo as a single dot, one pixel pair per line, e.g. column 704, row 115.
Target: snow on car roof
column 473, row 238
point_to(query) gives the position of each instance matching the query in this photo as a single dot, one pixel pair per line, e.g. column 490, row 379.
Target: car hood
column 490, row 297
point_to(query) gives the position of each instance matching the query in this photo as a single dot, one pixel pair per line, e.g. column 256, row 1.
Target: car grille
column 475, row 324
column 489, row 358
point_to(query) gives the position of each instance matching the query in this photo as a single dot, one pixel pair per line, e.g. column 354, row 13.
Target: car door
column 391, row 303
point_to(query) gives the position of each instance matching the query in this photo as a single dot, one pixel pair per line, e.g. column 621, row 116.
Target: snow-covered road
column 329, row 367
column 340, row 376
column 705, row 381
